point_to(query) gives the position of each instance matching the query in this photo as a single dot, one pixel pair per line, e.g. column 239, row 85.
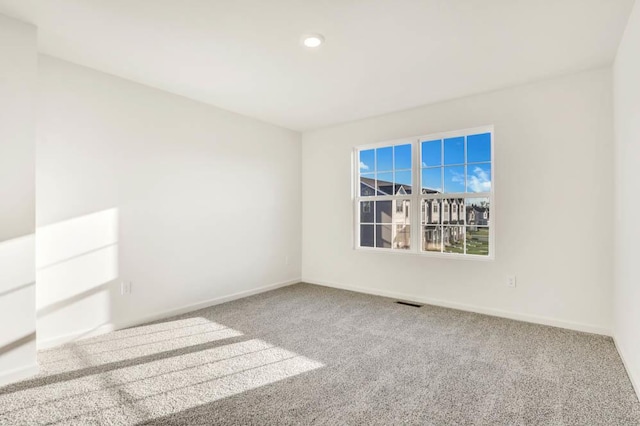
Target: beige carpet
column 313, row 355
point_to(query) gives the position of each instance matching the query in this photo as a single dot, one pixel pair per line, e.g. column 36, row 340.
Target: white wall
column 18, row 62
column 553, row 153
column 187, row 202
column 627, row 228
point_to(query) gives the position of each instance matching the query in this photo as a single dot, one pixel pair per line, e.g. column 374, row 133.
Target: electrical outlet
column 511, row 281
column 125, row 288
column 286, row 260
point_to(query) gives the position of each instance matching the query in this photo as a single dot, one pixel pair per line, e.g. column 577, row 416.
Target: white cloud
column 479, row 181
column 363, row 166
column 457, row 177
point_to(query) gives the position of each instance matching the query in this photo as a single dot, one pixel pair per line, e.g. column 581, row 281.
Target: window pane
column 479, row 148
column 454, row 151
column 383, row 236
column 432, row 153
column 432, row 238
column 401, row 224
column 384, row 159
column 478, row 240
column 402, row 156
column 402, row 183
column 453, row 239
column 402, row 237
column 384, row 183
column 401, row 211
column 367, row 185
column 478, row 211
column 430, row 211
column 366, row 235
column 431, row 180
column 384, row 211
column 454, row 179
column 479, row 177
column 453, row 211
column 367, row 161
column 366, row 211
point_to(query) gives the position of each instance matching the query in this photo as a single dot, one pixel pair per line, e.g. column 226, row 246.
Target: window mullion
column 415, row 220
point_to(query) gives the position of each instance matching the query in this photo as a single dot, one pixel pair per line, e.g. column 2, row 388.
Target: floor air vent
column 415, row 305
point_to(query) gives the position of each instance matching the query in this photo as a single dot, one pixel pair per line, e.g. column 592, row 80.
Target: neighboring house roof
column 479, row 209
column 430, row 191
column 370, row 183
column 386, row 188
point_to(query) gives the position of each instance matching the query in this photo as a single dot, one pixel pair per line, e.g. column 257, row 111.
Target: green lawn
column 455, row 248
column 478, row 241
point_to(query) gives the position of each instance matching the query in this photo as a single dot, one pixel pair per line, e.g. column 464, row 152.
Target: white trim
column 72, row 337
column 570, row 325
column 635, row 381
column 384, row 144
column 456, row 133
column 117, row 325
column 18, row 374
column 434, row 254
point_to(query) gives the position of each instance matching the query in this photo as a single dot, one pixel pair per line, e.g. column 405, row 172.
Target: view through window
column 449, row 214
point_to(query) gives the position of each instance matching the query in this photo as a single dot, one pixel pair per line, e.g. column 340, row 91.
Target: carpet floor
column 306, row 354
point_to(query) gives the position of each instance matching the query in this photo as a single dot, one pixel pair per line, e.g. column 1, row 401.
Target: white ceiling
column 380, row 55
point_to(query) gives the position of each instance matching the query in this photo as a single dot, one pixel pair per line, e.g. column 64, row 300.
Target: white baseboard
column 469, row 308
column 72, row 337
column 635, row 381
column 117, row 325
column 18, row 374
column 205, row 304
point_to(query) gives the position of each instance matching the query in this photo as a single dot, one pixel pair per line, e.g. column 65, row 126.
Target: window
column 385, row 180
column 427, row 195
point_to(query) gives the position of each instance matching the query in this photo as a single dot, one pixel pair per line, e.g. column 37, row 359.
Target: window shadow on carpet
column 138, row 374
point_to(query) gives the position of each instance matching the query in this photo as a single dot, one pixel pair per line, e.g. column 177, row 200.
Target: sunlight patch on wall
column 17, row 294
column 74, row 237
column 76, row 260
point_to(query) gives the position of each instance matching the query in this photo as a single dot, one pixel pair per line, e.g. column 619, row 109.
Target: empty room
column 335, row 212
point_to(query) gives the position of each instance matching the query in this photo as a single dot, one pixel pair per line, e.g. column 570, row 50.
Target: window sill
column 450, row 256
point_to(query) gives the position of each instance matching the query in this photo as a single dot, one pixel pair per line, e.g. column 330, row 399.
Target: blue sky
column 382, row 162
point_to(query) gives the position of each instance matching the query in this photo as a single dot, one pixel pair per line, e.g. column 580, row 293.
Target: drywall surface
column 627, row 228
column 180, row 201
column 552, row 211
column 18, row 63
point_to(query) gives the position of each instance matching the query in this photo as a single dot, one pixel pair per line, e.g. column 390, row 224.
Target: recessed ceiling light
column 312, row 40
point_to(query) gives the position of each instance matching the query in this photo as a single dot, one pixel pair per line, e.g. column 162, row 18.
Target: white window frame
column 416, row 195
